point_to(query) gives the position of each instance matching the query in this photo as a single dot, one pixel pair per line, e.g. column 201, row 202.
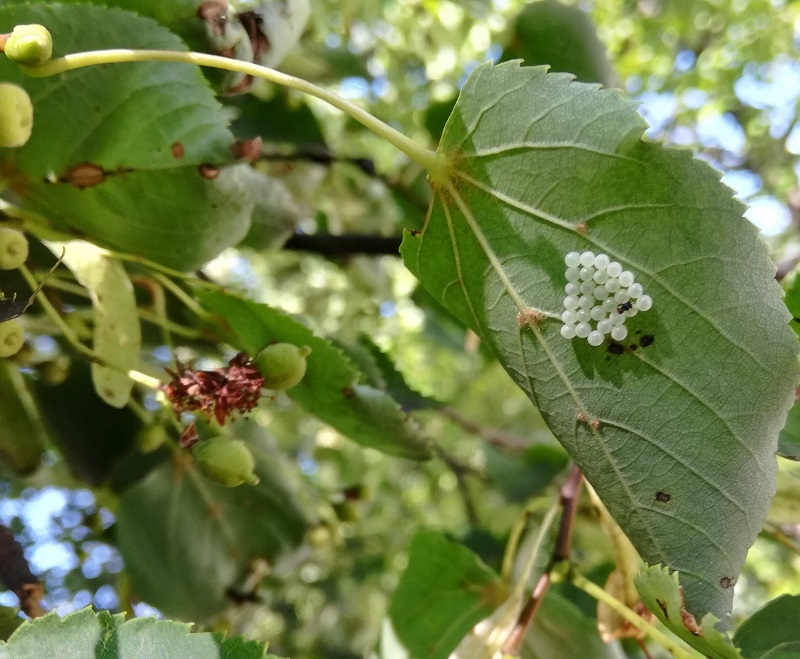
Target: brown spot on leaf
column 414, row 232
column 663, row 606
column 581, row 228
column 348, row 393
column 646, row 340
column 662, row 497
column 595, row 424
column 85, row 175
column 689, row 620
column 530, row 317
column 208, row 172
column 178, row 151
column 249, row 150
column 215, row 511
column 615, row 348
column 726, row 582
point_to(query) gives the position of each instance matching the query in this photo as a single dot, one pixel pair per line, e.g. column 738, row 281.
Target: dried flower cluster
column 221, row 392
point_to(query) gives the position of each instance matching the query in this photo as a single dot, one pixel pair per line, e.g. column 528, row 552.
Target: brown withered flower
column 221, row 392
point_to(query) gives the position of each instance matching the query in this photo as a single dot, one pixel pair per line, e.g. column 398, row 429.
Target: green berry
column 29, row 44
column 11, row 338
column 13, row 248
column 225, row 460
column 16, row 115
column 282, row 365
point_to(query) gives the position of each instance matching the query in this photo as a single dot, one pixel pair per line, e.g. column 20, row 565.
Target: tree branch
column 344, row 244
column 561, row 551
column 16, row 574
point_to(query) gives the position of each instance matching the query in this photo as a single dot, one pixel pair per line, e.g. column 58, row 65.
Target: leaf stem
column 428, row 159
column 72, row 339
column 592, row 589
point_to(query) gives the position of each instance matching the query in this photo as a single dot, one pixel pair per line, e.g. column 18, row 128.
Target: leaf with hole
column 662, row 424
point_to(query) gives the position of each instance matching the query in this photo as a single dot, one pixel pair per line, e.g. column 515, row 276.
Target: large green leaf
column 688, row 409
column 85, row 634
column 141, row 134
column 331, row 389
column 444, row 592
column 187, row 540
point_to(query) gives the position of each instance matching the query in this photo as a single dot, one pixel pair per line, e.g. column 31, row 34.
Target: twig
column 568, row 501
column 601, row 595
column 494, row 436
column 460, row 471
column 16, row 574
column 329, row 244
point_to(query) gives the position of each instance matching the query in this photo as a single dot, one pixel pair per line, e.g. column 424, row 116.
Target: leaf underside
column 690, row 405
column 141, row 136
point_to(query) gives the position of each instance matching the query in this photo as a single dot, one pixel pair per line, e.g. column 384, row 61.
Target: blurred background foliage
column 718, row 76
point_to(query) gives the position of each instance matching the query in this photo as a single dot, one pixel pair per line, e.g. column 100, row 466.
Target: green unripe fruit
column 282, row 365
column 16, row 115
column 13, row 248
column 226, row 461
column 11, row 338
column 29, row 44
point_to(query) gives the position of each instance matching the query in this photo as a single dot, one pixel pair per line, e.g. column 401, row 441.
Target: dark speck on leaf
column 726, row 582
column 615, row 348
column 348, row 392
column 647, row 340
column 662, row 497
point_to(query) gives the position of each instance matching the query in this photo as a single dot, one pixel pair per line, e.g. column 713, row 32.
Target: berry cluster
column 599, row 290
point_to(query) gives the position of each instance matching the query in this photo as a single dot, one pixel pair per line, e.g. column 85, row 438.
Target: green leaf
column 117, row 333
column 86, row 634
column 140, row 134
column 562, row 37
column 772, row 627
column 560, row 630
column 93, row 440
column 789, row 438
column 22, row 434
column 330, row 389
column 186, row 540
column 280, row 119
column 443, row 593
column 538, row 166
column 663, row 595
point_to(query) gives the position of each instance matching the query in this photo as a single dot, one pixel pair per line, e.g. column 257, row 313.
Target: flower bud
column 226, row 461
column 282, row 365
column 16, row 115
column 30, row 45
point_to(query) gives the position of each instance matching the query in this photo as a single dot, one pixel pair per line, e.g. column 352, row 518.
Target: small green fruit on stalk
column 13, row 248
column 226, row 461
column 282, row 365
column 16, row 115
column 11, row 338
column 29, row 45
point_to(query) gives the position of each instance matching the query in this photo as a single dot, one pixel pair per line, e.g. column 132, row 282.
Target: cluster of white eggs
column 599, row 290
